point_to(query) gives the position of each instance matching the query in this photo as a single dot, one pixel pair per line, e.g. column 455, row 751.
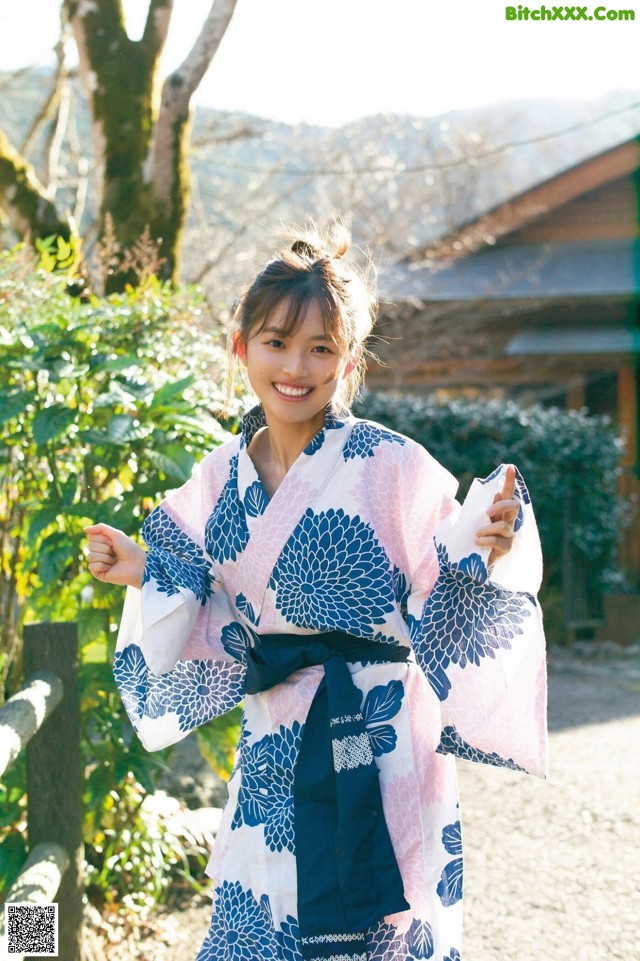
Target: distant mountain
column 401, row 181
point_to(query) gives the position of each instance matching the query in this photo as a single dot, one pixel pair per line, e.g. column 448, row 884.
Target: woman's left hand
column 498, row 535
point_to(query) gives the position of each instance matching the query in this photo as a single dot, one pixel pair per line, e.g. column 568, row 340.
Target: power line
column 428, row 167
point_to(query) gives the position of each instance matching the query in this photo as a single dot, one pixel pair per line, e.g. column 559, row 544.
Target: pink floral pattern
column 380, row 509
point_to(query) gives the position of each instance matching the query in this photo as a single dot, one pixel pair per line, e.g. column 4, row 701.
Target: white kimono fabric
column 363, row 536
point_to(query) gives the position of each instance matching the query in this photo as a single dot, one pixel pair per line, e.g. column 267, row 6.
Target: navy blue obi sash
column 348, row 876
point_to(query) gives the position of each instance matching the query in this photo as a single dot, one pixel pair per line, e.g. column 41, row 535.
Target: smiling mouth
column 288, row 391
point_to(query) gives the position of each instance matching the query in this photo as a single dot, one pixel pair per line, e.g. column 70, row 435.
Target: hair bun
column 304, row 249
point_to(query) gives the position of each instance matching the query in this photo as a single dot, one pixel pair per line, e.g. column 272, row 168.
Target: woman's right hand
column 114, row 557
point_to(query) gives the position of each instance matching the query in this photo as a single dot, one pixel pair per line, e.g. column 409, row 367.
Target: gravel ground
column 552, row 868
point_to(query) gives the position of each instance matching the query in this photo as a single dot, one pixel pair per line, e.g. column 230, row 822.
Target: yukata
column 363, row 538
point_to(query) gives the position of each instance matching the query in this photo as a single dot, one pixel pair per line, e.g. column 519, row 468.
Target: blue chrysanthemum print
column 381, row 638
column 364, row 439
column 333, row 573
column 195, row 690
column 315, row 443
column 252, row 421
column 331, row 422
column 381, row 704
column 246, row 608
column 236, row 639
column 383, row 943
column 449, row 887
column 419, row 941
column 131, row 672
column 464, row 620
column 453, row 955
column 335, row 420
column 289, row 940
column 452, row 743
column 266, row 793
column 174, row 561
column 226, row 533
column 255, row 499
column 401, row 589
column 241, row 927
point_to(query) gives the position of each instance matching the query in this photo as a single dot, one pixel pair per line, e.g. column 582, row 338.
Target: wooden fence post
column 54, row 773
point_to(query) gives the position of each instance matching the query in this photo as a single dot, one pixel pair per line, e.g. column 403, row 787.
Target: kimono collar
column 255, row 419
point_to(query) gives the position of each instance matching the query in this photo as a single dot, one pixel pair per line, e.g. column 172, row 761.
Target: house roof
column 588, row 269
column 589, row 174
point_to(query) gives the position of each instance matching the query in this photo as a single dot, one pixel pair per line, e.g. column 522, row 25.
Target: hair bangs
column 292, row 307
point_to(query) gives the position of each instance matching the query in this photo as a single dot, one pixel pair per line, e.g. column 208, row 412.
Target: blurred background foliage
column 105, row 404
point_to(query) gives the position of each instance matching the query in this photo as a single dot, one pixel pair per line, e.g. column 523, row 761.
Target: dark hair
column 314, row 270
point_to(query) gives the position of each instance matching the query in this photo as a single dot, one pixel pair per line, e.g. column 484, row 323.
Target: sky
column 332, row 61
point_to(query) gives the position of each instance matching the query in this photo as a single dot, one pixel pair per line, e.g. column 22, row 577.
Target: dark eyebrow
column 283, row 333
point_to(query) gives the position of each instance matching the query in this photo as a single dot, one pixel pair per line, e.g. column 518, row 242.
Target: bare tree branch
column 243, row 132
column 166, row 170
column 185, row 79
column 106, row 17
column 57, row 138
column 156, row 26
column 177, row 91
column 27, row 204
column 50, row 104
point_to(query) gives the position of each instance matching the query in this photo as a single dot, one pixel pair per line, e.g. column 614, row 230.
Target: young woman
column 318, row 568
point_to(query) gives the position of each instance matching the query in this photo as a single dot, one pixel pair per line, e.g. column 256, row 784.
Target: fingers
column 100, row 554
column 498, row 535
column 507, row 509
column 100, row 530
column 509, row 486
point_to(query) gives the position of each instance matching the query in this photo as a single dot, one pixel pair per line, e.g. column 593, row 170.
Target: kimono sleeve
column 180, row 651
column 478, row 636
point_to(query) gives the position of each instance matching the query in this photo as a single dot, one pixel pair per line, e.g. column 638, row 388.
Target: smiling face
column 296, row 374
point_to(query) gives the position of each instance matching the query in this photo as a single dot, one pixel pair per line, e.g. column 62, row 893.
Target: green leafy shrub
column 570, row 461
column 105, row 404
column 98, row 418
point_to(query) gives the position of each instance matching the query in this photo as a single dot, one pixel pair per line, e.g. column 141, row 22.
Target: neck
column 283, row 443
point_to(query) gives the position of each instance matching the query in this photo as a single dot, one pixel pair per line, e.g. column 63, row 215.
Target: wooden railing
column 44, row 718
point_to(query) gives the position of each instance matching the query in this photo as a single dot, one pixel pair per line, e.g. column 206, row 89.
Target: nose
column 294, row 362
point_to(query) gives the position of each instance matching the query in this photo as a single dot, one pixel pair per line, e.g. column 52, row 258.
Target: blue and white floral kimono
column 363, row 536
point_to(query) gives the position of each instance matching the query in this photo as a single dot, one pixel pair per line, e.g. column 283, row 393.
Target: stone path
column 552, row 868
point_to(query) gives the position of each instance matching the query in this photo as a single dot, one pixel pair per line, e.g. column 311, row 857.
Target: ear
column 239, row 346
column 353, row 361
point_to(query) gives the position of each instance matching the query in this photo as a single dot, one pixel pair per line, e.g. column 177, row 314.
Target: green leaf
column 112, row 397
column 115, row 363
column 69, row 488
column 208, row 426
column 173, row 461
column 13, row 853
column 120, row 428
column 13, row 402
column 51, row 422
column 170, row 391
column 56, row 553
column 40, row 520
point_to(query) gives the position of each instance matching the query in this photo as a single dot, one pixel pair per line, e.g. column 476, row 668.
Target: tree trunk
column 25, row 201
column 140, row 152
column 119, row 76
column 168, row 168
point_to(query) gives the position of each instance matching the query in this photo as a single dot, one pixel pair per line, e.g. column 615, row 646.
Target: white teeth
column 292, row 391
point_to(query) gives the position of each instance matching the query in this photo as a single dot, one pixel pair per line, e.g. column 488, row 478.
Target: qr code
column 32, row 929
